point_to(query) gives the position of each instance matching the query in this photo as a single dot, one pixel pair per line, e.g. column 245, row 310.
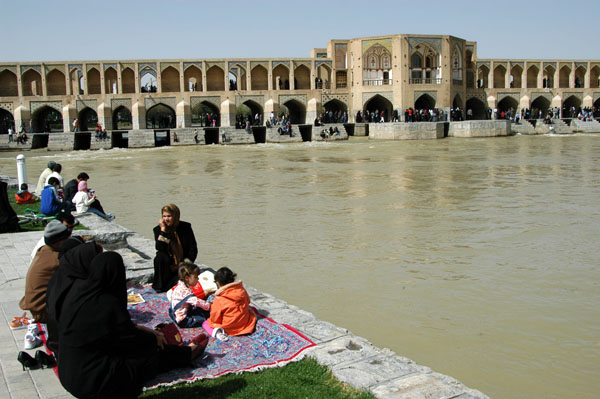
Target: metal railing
column 427, row 81
column 457, row 82
column 376, row 82
column 341, row 85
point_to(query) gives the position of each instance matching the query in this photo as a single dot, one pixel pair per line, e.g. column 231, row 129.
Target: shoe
column 31, row 341
column 18, row 323
column 220, row 334
column 27, row 361
column 33, row 329
column 45, row 359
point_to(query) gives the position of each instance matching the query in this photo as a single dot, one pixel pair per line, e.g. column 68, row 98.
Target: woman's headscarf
column 174, row 211
column 175, row 246
column 82, row 186
column 96, row 307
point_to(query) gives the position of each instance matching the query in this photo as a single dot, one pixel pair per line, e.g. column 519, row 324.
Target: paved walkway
column 352, row 359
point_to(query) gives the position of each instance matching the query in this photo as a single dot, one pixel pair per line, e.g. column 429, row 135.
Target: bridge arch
column 508, row 103
column 6, row 120
column 478, row 108
column 595, row 77
column 55, row 83
column 532, row 76
column 93, row 81
column 540, row 104
column 77, row 82
column 160, row 116
column 259, row 78
column 255, row 108
column 302, row 78
column 8, row 84
column 324, row 73
column 47, row 119
column 281, row 77
column 564, row 77
column 88, row 119
column 425, row 101
column 548, row 80
column 483, row 73
column 128, row 80
column 499, row 76
column 580, row 76
column 200, row 111
column 215, row 79
column 296, row 111
column 379, row 103
column 169, row 80
column 31, row 83
column 516, row 72
column 335, row 105
column 122, row 118
column 148, row 80
column 110, row 81
column 192, row 77
column 570, row 102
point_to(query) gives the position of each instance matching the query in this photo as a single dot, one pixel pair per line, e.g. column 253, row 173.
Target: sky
column 65, row 30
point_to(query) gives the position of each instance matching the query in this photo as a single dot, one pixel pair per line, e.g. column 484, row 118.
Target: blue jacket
column 50, row 203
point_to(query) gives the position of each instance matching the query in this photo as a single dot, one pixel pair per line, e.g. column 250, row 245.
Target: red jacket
column 231, row 310
column 25, row 198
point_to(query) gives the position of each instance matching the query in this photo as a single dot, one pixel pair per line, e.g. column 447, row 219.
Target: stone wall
column 406, row 131
column 61, row 141
column 186, row 136
column 486, row 128
column 141, row 138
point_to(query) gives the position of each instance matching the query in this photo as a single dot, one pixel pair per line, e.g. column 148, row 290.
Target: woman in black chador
column 175, row 243
column 102, row 353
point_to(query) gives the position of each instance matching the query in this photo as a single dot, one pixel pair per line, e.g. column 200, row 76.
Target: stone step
column 587, row 127
column 524, row 127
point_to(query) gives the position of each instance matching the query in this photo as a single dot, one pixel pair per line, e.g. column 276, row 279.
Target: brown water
column 476, row 257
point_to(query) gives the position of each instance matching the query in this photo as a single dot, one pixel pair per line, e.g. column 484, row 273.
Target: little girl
column 186, row 309
column 230, row 311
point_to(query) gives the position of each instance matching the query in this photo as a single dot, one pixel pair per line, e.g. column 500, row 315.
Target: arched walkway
column 597, row 106
column 302, row 78
column 296, row 111
column 47, row 119
column 499, row 76
column 169, row 80
column 160, row 116
column 128, row 80
column 93, row 81
column 478, row 109
column 532, row 75
column 377, row 104
column 6, row 121
column 563, row 77
column 88, row 120
column 281, row 78
column 571, row 107
column 55, row 83
column 192, row 78
column 31, row 83
column 425, row 102
column 334, row 111
column 110, row 81
column 215, row 79
column 259, row 78
column 122, row 119
column 201, row 113
column 507, row 104
column 539, row 104
column 148, row 81
column 8, row 84
column 255, row 108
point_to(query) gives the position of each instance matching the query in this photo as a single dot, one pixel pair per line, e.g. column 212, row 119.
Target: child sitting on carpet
column 230, row 310
column 186, row 309
column 23, row 196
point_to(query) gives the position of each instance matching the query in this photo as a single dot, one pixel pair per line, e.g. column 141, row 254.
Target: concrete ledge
column 406, row 131
column 480, row 128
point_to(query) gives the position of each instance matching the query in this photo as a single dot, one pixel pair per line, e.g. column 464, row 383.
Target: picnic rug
column 270, row 345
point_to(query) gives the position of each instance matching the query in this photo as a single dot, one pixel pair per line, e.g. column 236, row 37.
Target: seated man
column 51, row 205
column 65, row 218
column 41, row 270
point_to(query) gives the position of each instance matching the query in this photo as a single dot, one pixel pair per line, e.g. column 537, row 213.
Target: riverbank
column 351, row 358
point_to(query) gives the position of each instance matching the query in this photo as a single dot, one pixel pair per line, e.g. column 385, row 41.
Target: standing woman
column 175, row 242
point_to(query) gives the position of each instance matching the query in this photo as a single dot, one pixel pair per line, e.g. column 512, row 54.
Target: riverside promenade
column 352, row 359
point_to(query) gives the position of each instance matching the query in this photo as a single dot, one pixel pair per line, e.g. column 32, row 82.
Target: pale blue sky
column 131, row 29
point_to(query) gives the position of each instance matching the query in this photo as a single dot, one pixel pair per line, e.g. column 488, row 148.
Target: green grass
column 21, row 208
column 303, row 379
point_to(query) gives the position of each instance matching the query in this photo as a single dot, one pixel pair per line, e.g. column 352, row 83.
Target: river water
column 475, row 257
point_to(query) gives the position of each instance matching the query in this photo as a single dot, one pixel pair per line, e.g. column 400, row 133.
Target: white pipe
column 21, row 170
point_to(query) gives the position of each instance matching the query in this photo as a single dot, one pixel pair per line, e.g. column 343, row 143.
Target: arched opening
column 323, row 77
column 425, row 101
column 233, row 81
column 169, row 80
column 6, row 121
column 259, row 78
column 597, row 107
column 160, row 116
column 296, row 112
column 110, row 81
column 334, row 111
column 281, row 78
column 93, row 81
column 483, row 74
column 457, row 66
column 539, row 104
column 255, row 109
column 571, row 107
column 579, row 77
column 55, row 83
column 457, row 102
column 31, row 82
column 204, row 113
column 88, row 119
column 239, row 77
column 148, row 81
column 563, row 77
column 128, row 80
column 548, row 80
column 47, row 119
column 516, row 72
column 377, row 104
column 192, row 77
column 477, row 109
column 215, row 79
column 532, row 76
column 77, row 84
column 122, row 119
column 499, row 76
column 8, row 84
column 595, row 77
column 508, row 105
column 302, row 78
